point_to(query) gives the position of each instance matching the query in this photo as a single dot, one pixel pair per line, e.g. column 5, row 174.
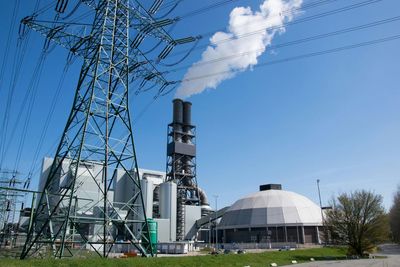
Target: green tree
column 394, row 216
column 358, row 220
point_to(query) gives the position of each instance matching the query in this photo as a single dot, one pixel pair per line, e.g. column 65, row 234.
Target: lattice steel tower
column 99, row 131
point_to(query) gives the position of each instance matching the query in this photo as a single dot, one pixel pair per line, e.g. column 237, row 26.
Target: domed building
column 272, row 215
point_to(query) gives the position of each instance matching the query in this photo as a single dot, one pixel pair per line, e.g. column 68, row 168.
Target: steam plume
column 272, row 14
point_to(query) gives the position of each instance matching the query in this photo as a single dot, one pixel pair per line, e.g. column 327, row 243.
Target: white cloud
column 272, row 13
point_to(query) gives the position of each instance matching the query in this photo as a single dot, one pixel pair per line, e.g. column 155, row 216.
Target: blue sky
column 334, row 117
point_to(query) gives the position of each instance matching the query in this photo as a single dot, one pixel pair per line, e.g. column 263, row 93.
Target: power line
column 19, row 56
column 299, row 57
column 48, row 118
column 296, row 42
column 33, row 85
column 283, row 25
column 307, row 39
column 8, row 43
column 173, row 4
column 289, row 59
column 29, row 98
column 207, row 8
column 24, row 104
column 217, row 5
column 196, row 47
column 313, row 4
column 308, row 55
column 289, row 10
column 261, row 30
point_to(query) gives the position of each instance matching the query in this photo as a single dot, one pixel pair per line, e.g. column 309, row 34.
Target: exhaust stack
column 181, row 161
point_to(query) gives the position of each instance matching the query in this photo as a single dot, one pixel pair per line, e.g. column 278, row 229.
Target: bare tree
column 358, row 220
column 394, row 216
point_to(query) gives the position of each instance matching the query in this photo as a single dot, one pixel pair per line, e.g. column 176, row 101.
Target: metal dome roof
column 272, row 208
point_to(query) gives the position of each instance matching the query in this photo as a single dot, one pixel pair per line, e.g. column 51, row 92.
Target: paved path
column 391, row 251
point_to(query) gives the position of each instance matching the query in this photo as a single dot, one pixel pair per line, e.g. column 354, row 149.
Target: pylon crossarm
column 72, row 42
column 145, row 24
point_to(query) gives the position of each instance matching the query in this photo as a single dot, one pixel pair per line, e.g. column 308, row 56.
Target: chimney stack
column 178, row 111
column 187, row 113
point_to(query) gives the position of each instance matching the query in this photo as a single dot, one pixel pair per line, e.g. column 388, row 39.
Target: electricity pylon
column 97, row 139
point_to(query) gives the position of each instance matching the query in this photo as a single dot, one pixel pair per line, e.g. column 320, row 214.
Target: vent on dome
column 265, row 187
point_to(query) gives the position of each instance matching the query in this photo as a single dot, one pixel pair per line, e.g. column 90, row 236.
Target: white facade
column 157, row 194
column 87, row 191
column 168, row 208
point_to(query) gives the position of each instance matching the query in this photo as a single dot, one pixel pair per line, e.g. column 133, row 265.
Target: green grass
column 252, row 259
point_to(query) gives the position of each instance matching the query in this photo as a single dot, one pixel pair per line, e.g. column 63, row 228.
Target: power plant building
column 272, row 215
column 172, row 198
column 180, row 208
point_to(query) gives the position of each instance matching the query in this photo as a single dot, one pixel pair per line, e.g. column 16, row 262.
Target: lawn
column 251, row 259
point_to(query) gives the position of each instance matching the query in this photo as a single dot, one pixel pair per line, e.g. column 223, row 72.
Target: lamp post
column 209, row 232
column 216, row 228
column 320, row 205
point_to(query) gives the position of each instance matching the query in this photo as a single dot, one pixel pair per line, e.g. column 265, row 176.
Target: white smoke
column 243, row 21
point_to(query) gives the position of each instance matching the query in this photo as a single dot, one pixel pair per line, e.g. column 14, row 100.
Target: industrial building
column 178, row 208
column 272, row 216
column 172, row 199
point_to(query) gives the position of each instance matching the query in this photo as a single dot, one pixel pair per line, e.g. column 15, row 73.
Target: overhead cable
column 308, row 55
column 283, row 25
column 8, row 42
column 295, row 42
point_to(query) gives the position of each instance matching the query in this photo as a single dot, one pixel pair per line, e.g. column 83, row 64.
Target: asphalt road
column 391, row 251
